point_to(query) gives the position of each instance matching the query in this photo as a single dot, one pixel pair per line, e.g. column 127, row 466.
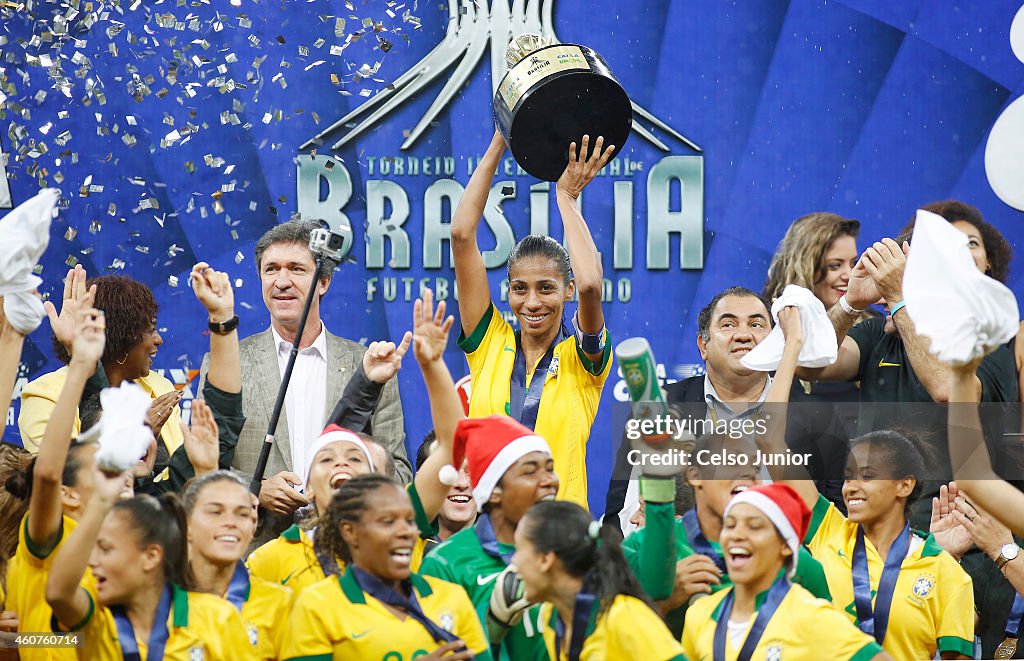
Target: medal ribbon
column 581, row 612
column 384, row 593
column 698, row 542
column 771, row 603
column 524, row 403
column 485, row 535
column 157, row 635
column 1012, row 628
column 238, row 588
column 874, row 622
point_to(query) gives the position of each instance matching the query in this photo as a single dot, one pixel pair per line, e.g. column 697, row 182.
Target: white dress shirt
column 719, row 410
column 307, row 394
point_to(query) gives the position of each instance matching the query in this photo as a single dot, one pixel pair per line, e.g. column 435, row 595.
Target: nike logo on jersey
column 484, row 580
column 512, row 349
column 360, row 635
column 882, row 363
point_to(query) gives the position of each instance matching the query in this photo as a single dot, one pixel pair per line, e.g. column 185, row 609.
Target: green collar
column 293, row 533
column 931, row 547
column 758, row 598
column 180, row 606
column 354, row 593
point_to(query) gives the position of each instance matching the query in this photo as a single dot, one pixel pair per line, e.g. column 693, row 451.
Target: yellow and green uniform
column 568, row 403
column 462, row 560
column 290, row 560
column 200, row 626
column 656, row 569
column 336, row 619
column 803, row 628
column 628, row 629
column 265, row 616
column 27, row 573
column 933, row 602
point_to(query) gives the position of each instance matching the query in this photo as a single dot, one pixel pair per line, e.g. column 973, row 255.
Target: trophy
column 554, row 94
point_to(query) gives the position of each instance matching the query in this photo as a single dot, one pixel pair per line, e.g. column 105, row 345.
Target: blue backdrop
column 176, row 133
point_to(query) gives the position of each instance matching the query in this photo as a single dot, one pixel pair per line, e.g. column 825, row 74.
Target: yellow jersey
column 40, row 397
column 265, row 616
column 358, row 626
column 200, row 626
column 933, row 602
column 568, row 403
column 628, row 629
column 804, row 628
column 27, row 573
column 290, row 560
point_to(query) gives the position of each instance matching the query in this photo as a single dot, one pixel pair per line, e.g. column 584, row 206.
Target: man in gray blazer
column 324, row 366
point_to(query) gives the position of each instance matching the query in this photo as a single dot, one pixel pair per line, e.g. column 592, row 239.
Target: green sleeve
column 655, row 563
column 811, row 575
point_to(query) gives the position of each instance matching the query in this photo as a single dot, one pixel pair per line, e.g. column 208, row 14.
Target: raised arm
column 470, row 273
column 430, row 337
column 777, row 405
column 972, row 466
column 587, row 271
column 213, row 289
column 45, row 504
column 70, row 603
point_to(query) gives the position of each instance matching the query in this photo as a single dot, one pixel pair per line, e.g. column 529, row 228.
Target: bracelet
column 896, row 308
column 847, row 308
column 224, row 327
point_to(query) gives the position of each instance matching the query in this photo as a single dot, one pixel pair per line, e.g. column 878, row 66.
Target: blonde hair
column 799, row 259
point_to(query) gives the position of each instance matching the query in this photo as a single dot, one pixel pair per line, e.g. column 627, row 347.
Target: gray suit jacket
column 260, row 381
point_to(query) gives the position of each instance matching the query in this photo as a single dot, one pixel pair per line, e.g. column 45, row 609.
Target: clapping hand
column 214, row 291
column 582, row 169
column 75, row 299
column 161, row 409
column 382, row 360
column 202, row 440
column 430, row 329
column 948, row 530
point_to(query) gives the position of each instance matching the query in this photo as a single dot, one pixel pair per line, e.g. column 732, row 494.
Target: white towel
column 820, row 348
column 124, row 435
column 26, row 233
column 960, row 309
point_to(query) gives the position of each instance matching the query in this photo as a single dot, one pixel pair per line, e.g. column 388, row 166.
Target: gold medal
column 1006, row 649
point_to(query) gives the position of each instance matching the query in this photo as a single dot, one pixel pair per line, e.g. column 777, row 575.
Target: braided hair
column 587, row 550
column 347, row 504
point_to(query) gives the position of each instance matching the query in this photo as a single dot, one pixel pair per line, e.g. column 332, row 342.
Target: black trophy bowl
column 554, row 96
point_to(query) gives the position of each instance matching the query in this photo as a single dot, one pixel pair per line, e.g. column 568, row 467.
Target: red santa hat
column 784, row 508
column 490, row 446
column 333, row 434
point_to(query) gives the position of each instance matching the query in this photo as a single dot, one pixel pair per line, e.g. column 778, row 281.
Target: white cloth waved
column 962, row 311
column 124, row 435
column 820, row 347
column 26, row 233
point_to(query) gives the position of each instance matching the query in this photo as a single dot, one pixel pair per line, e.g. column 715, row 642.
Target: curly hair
column 130, row 310
column 997, row 248
column 13, row 461
column 347, row 504
column 800, row 257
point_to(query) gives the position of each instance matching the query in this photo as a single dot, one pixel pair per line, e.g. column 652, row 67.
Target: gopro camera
column 327, row 243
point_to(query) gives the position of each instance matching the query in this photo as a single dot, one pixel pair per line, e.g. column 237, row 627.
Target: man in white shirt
column 324, row 366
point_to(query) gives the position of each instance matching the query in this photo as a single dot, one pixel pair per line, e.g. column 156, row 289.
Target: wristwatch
column 224, row 327
column 1007, row 553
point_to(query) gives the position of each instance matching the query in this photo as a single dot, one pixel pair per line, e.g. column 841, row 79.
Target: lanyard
column 698, row 542
column 771, row 603
column 875, row 621
column 386, row 594
column 1012, row 628
column 524, row 403
column 238, row 588
column 485, row 534
column 157, row 635
column 581, row 612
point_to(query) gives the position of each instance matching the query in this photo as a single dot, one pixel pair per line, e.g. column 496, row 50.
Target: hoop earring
column 122, row 361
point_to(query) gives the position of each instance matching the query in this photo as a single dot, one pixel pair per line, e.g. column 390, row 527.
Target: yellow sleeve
column 262, row 563
column 37, row 403
column 468, row 629
column 308, row 636
column 845, row 641
column 596, row 372
column 826, row 521
column 481, row 342
column 636, row 632
column 956, row 626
